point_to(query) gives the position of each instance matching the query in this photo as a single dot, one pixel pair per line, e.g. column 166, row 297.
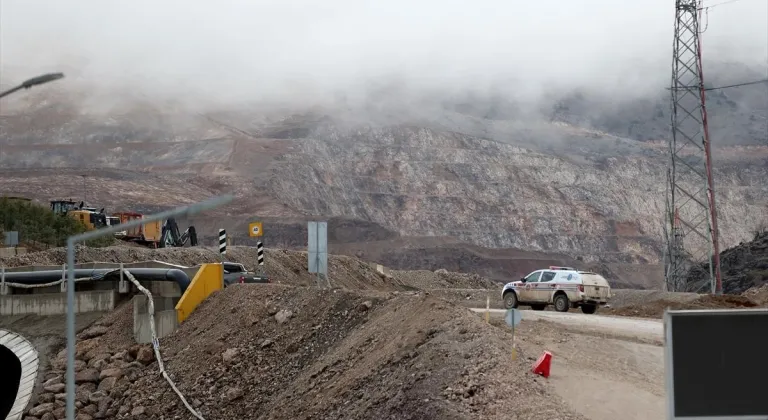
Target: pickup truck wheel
column 561, row 303
column 539, row 307
column 589, row 308
column 510, row 300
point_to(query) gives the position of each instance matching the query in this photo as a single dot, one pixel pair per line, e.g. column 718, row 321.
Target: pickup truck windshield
column 233, row 268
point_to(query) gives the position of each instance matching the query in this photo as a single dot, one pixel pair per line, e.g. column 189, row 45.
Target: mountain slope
column 460, row 173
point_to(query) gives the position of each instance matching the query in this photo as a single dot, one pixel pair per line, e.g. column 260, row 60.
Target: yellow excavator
column 88, row 216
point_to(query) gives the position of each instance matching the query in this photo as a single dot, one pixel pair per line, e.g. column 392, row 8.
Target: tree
column 38, row 225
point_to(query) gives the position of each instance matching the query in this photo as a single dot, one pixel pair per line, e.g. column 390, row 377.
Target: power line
column 705, row 9
column 738, row 84
column 720, row 4
column 721, row 87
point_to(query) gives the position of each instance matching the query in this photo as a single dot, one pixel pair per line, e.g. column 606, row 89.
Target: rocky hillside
column 743, row 267
column 469, row 177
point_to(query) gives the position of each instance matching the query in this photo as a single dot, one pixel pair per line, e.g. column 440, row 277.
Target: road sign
column 11, row 238
column 513, row 317
column 317, row 247
column 255, row 229
column 712, row 360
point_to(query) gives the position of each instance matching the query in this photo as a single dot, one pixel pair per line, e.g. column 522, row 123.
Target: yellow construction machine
column 88, row 216
column 156, row 234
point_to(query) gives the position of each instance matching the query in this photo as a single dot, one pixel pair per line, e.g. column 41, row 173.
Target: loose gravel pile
column 759, row 294
column 283, row 266
column 278, row 352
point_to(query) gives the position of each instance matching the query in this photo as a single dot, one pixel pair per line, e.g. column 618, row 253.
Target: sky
column 227, row 51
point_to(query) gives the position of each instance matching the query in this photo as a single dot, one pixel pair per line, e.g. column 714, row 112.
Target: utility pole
column 690, row 227
column 85, row 192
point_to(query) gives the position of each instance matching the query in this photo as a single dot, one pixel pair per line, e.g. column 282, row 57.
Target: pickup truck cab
column 237, row 273
column 562, row 287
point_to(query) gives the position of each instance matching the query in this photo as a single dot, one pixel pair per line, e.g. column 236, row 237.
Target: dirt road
column 636, row 329
column 604, row 367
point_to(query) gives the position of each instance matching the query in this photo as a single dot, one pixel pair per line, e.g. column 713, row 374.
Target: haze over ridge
column 229, row 51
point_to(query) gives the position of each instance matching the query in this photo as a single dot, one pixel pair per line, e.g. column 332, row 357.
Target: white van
column 563, row 287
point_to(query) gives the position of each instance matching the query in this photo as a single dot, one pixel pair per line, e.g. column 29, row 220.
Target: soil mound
column 742, row 267
column 442, row 279
column 625, row 297
column 284, row 266
column 759, row 294
column 656, row 308
column 272, row 351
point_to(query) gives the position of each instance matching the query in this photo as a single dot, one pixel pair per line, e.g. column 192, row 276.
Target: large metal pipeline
column 147, row 274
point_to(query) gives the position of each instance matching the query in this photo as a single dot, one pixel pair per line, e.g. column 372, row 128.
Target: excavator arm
column 189, row 234
column 172, row 238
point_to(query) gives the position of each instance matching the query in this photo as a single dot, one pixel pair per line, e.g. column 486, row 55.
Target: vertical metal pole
column 70, row 329
column 714, row 260
column 514, row 350
column 487, row 309
column 63, row 286
column 2, row 281
column 317, row 254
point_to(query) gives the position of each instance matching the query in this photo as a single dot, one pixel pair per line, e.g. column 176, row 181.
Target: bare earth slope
column 338, row 354
column 282, row 266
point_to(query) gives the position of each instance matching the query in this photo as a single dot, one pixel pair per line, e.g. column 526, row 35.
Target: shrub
column 38, row 225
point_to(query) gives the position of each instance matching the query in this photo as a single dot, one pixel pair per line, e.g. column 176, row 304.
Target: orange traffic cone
column 541, row 367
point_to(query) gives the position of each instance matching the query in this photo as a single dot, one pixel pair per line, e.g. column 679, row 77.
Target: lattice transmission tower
column 690, row 227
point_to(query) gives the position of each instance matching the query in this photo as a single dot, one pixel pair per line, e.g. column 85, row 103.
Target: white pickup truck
column 563, row 287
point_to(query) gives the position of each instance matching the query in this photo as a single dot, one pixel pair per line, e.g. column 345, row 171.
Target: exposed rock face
column 477, row 176
column 422, row 182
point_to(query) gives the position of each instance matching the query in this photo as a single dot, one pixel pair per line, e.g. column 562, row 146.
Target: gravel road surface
column 638, row 329
column 604, row 367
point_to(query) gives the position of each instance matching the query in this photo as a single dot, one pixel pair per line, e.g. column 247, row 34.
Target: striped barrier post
column 222, row 241
column 260, row 253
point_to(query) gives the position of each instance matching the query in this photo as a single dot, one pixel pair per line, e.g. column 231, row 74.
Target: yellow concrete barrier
column 209, row 278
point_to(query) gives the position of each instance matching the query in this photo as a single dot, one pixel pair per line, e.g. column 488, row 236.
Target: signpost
column 513, row 318
column 317, row 250
column 255, row 230
column 715, row 364
column 11, row 238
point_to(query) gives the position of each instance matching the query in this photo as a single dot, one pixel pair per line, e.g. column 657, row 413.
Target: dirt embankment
column 271, row 351
column 758, row 294
column 743, row 266
column 655, row 308
column 283, row 266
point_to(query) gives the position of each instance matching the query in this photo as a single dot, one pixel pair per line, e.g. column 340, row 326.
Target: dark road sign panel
column 717, row 364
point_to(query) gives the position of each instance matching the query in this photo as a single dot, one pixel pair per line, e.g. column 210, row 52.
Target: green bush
column 38, row 225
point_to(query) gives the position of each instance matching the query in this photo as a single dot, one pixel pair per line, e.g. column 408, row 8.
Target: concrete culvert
column 9, row 380
column 18, row 364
